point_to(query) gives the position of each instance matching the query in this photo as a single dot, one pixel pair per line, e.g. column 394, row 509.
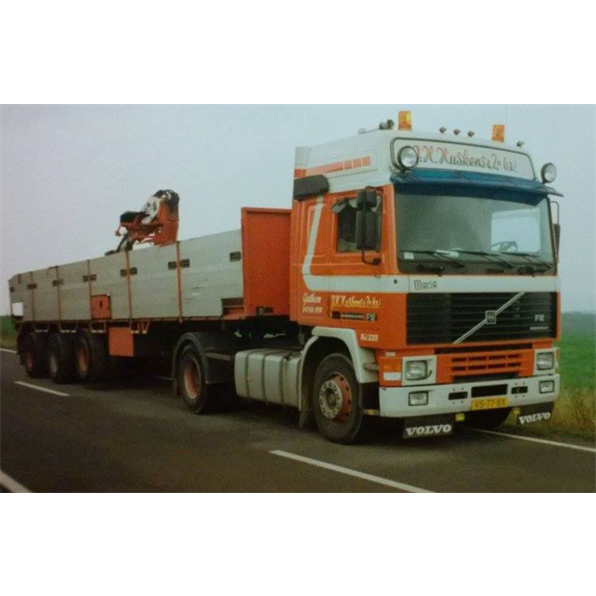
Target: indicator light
column 405, row 120
column 499, row 133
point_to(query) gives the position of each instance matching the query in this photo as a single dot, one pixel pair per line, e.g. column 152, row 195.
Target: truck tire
column 488, row 419
column 35, row 355
column 61, row 360
column 91, row 358
column 336, row 400
column 190, row 380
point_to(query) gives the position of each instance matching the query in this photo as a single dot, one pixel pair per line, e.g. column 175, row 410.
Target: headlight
column 420, row 398
column 545, row 360
column 407, row 158
column 549, row 173
column 547, row 386
column 416, row 370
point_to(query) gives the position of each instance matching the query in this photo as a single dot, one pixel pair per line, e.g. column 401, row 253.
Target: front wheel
column 336, row 400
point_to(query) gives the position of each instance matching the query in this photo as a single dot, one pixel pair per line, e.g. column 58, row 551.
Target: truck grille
column 445, row 318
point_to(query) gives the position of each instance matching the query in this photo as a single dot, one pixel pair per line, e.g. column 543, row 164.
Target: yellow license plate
column 490, row 403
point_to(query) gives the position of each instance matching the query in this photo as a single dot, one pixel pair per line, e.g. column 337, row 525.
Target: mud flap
column 534, row 413
column 428, row 426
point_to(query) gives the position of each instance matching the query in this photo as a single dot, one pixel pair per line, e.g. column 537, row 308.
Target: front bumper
column 394, row 400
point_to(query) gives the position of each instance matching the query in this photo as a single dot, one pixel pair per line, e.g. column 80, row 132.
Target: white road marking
column 163, row 378
column 348, row 472
column 11, row 484
column 8, row 351
column 38, row 388
column 534, row 440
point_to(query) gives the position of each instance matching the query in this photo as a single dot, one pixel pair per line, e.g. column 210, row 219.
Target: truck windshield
column 454, row 230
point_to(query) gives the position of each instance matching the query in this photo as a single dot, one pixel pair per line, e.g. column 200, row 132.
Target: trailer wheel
column 336, row 400
column 61, row 360
column 488, row 419
column 34, row 355
column 190, row 378
column 91, row 358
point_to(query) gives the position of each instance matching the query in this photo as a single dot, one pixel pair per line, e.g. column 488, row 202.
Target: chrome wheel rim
column 335, row 398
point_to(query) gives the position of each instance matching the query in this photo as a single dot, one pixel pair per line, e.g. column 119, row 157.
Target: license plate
column 490, row 403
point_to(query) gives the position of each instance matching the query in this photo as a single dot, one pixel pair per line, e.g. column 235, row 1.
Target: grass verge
column 8, row 337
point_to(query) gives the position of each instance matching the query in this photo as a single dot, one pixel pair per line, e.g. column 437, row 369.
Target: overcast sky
column 68, row 172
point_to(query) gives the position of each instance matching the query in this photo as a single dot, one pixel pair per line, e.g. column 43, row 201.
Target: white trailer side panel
column 17, row 290
column 214, row 273
column 210, row 273
column 106, row 278
column 155, row 285
column 46, row 294
column 74, row 292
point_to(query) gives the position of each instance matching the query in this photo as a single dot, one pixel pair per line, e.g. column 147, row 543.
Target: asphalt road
column 137, row 436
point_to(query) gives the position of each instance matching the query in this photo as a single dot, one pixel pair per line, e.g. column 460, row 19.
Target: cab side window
column 346, row 226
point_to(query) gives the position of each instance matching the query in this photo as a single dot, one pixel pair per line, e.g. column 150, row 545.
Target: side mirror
column 367, row 224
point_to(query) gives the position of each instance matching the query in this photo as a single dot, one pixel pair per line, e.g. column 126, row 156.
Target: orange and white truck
column 414, row 277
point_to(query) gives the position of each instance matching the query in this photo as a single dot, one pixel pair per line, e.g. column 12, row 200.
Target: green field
column 7, row 333
column 575, row 412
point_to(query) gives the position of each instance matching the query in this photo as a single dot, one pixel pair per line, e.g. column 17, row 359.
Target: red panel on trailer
column 266, row 261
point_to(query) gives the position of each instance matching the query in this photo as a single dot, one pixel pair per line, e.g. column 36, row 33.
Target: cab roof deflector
column 469, row 179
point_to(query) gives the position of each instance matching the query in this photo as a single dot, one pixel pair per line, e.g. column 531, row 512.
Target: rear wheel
column 35, row 355
column 488, row 419
column 91, row 357
column 190, row 378
column 336, row 400
column 61, row 359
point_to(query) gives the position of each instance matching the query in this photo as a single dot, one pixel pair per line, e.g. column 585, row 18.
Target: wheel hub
column 335, row 398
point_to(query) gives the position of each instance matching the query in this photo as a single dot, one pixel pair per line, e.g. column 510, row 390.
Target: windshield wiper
column 438, row 269
column 529, row 256
column 488, row 255
column 441, row 255
column 530, row 270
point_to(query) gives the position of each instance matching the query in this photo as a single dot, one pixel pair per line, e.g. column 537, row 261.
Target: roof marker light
column 520, row 144
column 405, row 120
column 456, row 132
column 499, row 133
column 471, row 133
column 442, row 130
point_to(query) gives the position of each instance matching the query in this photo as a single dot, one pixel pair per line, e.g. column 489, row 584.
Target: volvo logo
column 490, row 318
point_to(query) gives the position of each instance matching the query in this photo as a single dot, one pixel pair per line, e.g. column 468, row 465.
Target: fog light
column 545, row 360
column 547, row 386
column 416, row 370
column 420, row 398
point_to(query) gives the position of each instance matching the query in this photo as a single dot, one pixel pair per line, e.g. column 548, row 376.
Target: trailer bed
column 238, row 274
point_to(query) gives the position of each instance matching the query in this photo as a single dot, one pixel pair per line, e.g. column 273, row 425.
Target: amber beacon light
column 405, row 120
column 499, row 133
